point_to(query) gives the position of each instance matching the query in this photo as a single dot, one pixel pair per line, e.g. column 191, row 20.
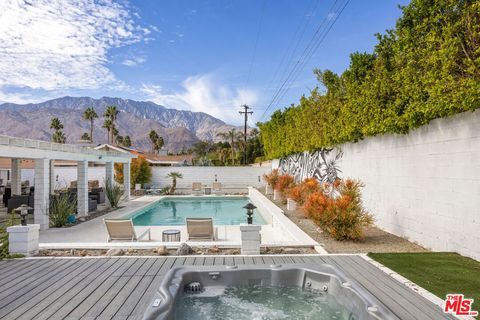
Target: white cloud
column 133, row 61
column 203, row 93
column 57, row 44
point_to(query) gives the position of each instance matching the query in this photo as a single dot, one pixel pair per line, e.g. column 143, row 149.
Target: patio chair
column 122, row 229
column 197, row 187
column 216, row 187
column 201, row 229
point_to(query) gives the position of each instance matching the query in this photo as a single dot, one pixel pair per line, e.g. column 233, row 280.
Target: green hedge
column 426, row 68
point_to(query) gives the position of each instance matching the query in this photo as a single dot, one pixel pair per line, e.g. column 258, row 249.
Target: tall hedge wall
column 427, row 67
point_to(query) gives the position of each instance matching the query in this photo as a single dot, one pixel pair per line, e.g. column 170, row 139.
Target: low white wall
column 231, row 177
column 424, row 186
column 241, row 177
column 64, row 175
column 290, row 233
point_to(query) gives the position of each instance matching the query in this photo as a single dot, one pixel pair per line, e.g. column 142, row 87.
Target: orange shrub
column 340, row 214
column 284, row 183
column 272, row 177
column 301, row 191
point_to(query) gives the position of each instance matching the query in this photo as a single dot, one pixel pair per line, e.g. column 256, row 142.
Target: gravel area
column 162, row 251
column 376, row 240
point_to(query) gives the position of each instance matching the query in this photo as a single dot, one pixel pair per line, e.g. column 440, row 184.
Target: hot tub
column 263, row 292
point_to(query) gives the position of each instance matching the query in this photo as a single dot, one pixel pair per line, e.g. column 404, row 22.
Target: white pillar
column 82, row 188
column 251, row 238
column 109, row 172
column 52, row 177
column 42, row 193
column 23, row 239
column 16, row 177
column 126, row 181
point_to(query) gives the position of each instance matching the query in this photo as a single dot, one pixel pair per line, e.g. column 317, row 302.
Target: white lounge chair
column 216, row 188
column 122, row 229
column 197, row 188
column 201, row 229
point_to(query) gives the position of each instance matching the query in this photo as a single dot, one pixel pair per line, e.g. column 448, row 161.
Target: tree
column 426, row 68
column 230, row 136
column 127, row 142
column 58, row 136
column 85, row 137
column 157, row 141
column 174, row 176
column 90, row 115
column 159, row 144
column 111, row 113
column 140, row 171
column 107, row 124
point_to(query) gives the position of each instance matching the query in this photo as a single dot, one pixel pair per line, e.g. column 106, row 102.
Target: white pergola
column 44, row 154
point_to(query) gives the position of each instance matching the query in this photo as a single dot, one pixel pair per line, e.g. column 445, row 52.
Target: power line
column 312, row 51
column 290, row 53
column 301, row 58
column 308, row 52
column 260, row 23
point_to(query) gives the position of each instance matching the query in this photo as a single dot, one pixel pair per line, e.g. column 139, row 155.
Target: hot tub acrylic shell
column 323, row 278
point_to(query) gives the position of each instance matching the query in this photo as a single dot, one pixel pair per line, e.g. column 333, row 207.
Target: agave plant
column 114, row 193
column 174, row 176
column 61, row 207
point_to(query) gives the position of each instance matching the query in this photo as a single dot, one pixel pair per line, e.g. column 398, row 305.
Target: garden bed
column 375, row 239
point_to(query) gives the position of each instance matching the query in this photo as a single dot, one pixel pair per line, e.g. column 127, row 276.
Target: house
column 163, row 159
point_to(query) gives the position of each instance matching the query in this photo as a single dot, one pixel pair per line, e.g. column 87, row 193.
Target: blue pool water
column 172, row 211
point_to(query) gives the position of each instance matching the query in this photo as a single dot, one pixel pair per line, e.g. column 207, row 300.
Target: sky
column 204, row 56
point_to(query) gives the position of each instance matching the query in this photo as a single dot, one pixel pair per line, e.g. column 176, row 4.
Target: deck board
column 122, row 287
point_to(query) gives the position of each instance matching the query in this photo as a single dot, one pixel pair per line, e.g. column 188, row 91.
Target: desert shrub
column 342, row 216
column 284, row 183
column 61, row 206
column 300, row 192
column 114, row 193
column 11, row 220
column 271, row 178
column 140, row 171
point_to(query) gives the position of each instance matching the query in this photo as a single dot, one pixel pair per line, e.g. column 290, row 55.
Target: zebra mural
column 322, row 165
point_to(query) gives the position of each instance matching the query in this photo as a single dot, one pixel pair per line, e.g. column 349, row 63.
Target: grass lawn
column 438, row 272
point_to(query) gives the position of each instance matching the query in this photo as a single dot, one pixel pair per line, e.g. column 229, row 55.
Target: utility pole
column 246, row 113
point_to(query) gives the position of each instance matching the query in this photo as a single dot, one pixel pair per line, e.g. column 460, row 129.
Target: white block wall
column 241, row 177
column 424, row 186
column 228, row 176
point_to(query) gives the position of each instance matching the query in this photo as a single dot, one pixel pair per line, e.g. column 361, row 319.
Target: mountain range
column 179, row 128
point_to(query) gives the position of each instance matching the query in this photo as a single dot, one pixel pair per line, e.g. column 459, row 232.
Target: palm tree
column 159, row 144
column 59, row 137
column 107, row 124
column 231, row 137
column 57, row 126
column 111, row 113
column 153, row 135
column 223, row 155
column 127, row 142
column 174, row 176
column 90, row 115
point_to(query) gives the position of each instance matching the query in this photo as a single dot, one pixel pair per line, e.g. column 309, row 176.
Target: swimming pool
column 172, row 211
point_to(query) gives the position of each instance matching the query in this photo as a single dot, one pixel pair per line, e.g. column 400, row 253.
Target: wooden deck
column 122, row 287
